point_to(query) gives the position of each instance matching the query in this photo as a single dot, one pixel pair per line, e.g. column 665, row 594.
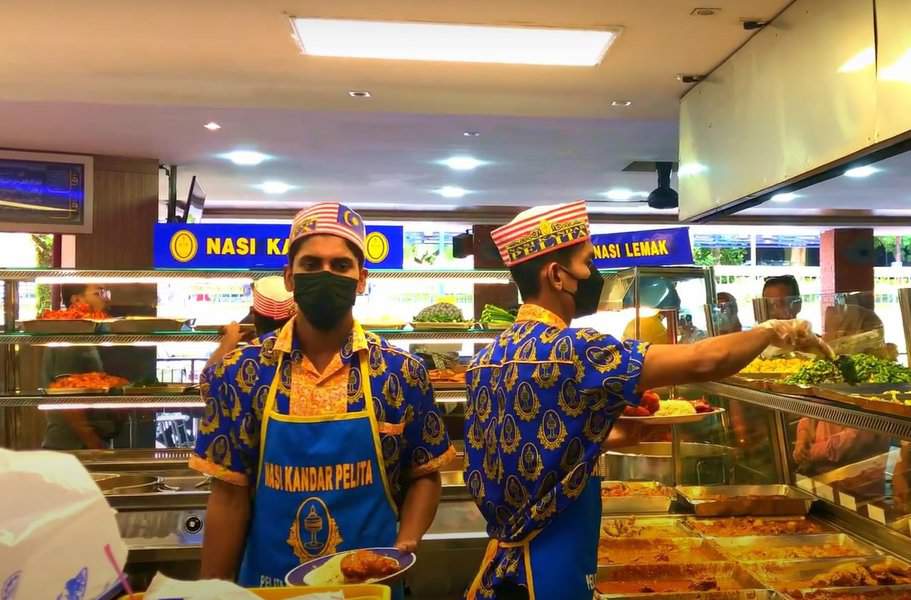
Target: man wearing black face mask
column 543, row 398
column 334, row 428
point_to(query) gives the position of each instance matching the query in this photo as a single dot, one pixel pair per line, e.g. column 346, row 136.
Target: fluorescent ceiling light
column 784, row 197
column 274, row 187
column 863, row 59
column 621, row 103
column 471, row 133
column 462, row 163
column 246, row 158
column 212, row 126
column 453, row 43
column 694, row 168
column 900, row 70
column 623, row 194
column 864, row 171
column 451, row 191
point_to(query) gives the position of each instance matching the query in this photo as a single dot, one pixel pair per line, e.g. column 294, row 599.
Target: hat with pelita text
column 541, row 230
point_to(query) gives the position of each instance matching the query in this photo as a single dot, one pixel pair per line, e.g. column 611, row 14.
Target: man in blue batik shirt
column 543, row 398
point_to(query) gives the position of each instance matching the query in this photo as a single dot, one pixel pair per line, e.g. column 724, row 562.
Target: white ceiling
column 139, row 78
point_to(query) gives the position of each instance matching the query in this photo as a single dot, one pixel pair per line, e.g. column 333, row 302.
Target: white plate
column 672, row 420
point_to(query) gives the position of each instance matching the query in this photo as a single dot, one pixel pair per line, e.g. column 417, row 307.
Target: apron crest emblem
column 314, row 532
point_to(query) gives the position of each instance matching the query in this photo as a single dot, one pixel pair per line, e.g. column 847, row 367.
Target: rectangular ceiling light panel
column 453, row 43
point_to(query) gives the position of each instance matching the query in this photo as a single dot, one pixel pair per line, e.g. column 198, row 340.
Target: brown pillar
column 846, row 265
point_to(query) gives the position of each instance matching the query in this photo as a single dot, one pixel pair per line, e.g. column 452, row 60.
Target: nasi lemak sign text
column 657, row 247
column 255, row 246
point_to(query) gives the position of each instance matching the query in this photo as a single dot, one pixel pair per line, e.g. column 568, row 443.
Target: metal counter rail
column 815, row 408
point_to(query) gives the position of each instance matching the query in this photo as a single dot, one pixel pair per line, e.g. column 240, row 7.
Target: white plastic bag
column 58, row 536
column 165, row 588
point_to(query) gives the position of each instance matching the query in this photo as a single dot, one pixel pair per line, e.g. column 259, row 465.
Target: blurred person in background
column 273, row 306
column 782, row 295
column 79, row 429
column 728, row 319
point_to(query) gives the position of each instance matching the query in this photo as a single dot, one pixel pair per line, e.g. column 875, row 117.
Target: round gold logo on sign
column 184, row 246
column 377, row 247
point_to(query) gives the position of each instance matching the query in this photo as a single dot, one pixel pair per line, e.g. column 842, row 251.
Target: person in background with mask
column 273, row 306
column 320, row 437
column 543, row 398
column 79, row 429
column 782, row 295
column 728, row 318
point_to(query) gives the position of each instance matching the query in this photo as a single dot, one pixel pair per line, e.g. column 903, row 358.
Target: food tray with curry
column 902, row 592
column 755, row 526
column 631, row 497
column 793, row 547
column 624, row 581
column 644, row 528
column 630, row 551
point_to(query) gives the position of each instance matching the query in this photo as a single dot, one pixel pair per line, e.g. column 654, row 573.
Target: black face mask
column 324, row 298
column 588, row 293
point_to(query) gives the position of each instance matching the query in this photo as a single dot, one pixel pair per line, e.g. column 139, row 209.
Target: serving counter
column 750, row 443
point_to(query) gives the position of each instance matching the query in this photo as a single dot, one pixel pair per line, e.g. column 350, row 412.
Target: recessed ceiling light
column 246, row 158
column 471, row 133
column 621, row 103
column 784, row 197
column 462, row 163
column 359, row 93
column 864, row 171
column 212, row 126
column 451, row 191
column 704, row 12
column 453, row 42
column 274, row 187
column 623, row 194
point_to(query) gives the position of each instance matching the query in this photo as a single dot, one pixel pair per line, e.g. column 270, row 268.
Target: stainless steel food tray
column 648, row 527
column 633, row 504
column 897, row 592
column 827, row 485
column 690, row 525
column 611, row 580
column 741, row 500
column 681, row 551
column 776, row 546
column 59, row 326
column 798, row 574
column 118, row 483
column 735, row 595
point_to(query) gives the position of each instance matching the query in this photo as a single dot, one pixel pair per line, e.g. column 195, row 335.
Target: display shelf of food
column 90, row 339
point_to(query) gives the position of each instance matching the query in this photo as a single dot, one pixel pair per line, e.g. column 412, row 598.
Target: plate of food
column 367, row 565
column 653, row 410
column 442, row 315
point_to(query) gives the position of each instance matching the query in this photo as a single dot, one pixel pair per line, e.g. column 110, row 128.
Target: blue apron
column 321, row 488
column 561, row 560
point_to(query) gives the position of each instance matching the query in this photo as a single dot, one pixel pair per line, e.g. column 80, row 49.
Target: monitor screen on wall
column 45, row 193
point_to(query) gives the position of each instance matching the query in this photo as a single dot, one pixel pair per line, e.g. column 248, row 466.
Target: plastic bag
column 58, row 535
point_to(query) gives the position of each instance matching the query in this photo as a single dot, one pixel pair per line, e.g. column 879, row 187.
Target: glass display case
column 851, row 458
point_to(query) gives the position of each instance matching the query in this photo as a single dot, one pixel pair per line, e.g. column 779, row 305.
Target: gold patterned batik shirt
column 541, row 400
column 412, row 433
